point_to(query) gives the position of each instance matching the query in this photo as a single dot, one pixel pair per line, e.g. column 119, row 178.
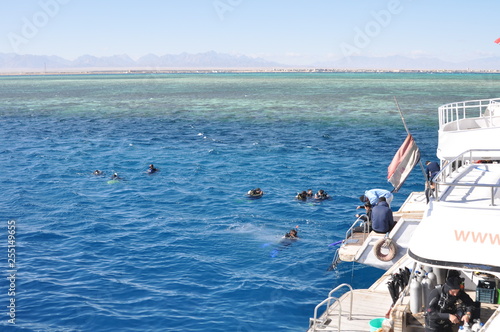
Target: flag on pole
column 403, row 162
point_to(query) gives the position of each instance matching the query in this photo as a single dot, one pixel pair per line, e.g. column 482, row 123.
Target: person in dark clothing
column 292, row 234
column 368, row 208
column 255, row 193
column 302, row 196
column 382, row 218
column 366, row 226
column 152, row 169
column 442, row 310
column 431, row 169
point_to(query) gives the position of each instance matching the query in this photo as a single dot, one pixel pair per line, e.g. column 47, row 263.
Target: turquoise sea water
column 184, row 249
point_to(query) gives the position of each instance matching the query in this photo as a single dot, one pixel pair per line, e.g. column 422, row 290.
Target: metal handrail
column 465, row 158
column 465, row 110
column 315, row 319
column 349, row 233
column 351, row 290
column 366, row 227
column 328, row 301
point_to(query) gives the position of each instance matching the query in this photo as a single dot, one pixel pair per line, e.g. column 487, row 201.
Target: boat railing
column 363, row 223
column 315, row 321
column 362, row 226
column 484, row 108
column 465, row 158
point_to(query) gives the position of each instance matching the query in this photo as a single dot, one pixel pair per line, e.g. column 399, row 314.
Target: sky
column 285, row 31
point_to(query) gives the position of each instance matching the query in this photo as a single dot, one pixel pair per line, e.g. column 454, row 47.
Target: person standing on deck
column 431, row 169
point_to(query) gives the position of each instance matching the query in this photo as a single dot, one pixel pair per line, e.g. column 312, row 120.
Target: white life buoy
column 386, row 245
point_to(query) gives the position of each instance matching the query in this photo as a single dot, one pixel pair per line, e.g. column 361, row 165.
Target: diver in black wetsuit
column 292, row 234
column 443, row 310
column 321, row 195
column 115, row 177
column 152, row 169
column 302, row 196
column 255, row 193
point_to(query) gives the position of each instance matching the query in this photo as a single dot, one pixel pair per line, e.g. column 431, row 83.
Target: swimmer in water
column 98, row 172
column 321, row 194
column 292, row 234
column 152, row 169
column 257, row 192
column 301, row 196
column 115, row 177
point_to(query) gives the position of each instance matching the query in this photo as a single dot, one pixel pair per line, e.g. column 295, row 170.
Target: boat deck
column 473, row 174
column 375, row 302
column 367, row 304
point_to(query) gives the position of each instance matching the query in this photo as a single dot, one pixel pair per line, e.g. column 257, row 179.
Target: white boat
column 456, row 226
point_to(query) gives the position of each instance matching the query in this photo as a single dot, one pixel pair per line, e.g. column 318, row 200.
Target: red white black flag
column 403, row 162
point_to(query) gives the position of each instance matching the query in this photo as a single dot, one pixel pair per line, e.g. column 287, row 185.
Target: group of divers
column 305, row 195
column 253, row 193
column 321, row 195
column 151, row 169
column 377, row 203
column 370, row 198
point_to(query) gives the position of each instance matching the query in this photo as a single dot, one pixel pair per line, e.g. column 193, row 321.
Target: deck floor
column 367, row 305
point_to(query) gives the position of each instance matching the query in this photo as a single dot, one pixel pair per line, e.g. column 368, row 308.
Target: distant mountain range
column 10, row 62
column 208, row 60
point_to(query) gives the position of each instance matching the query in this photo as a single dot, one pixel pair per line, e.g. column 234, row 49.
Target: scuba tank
column 465, row 328
column 432, row 278
column 477, row 325
column 415, row 295
column 420, row 275
column 427, row 287
column 440, row 275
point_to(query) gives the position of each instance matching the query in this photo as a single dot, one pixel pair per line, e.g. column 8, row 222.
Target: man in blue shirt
column 382, row 218
column 373, row 196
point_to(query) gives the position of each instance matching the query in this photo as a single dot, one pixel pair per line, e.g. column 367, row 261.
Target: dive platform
column 359, row 243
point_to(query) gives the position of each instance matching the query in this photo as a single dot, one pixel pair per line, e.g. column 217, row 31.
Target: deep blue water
column 184, row 249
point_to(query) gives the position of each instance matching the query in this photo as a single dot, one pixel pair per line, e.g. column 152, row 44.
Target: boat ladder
column 324, row 321
column 361, row 225
column 335, row 261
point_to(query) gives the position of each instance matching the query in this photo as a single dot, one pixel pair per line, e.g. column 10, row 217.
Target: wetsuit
column 441, row 305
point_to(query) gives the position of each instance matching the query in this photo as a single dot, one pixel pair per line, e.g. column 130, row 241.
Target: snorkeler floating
column 286, row 241
column 293, row 234
column 255, row 193
column 302, row 196
column 115, row 176
column 152, row 169
column 319, row 196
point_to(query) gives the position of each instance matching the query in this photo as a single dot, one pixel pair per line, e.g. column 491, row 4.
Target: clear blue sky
column 288, row 31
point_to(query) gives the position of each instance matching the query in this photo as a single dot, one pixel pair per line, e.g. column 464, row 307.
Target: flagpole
column 408, row 132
